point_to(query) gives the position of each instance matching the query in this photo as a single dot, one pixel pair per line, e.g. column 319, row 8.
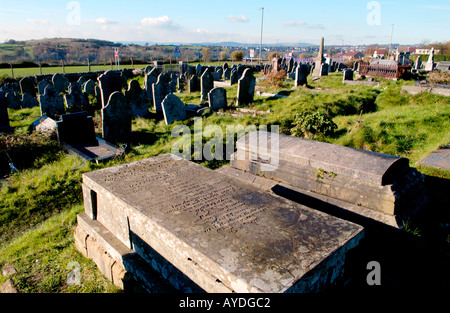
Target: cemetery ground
column 40, row 202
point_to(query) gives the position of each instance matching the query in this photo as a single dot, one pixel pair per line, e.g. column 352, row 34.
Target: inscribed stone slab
column 223, row 234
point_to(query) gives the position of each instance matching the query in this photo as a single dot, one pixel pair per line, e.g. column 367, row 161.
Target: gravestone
column 173, row 109
column 217, row 98
column 181, row 83
column 226, row 74
column 51, row 102
column 319, row 60
column 198, row 70
column 418, row 63
column 290, row 67
column 375, row 186
column 356, row 66
column 225, row 66
column 76, row 100
column 60, row 82
column 204, row 231
column 194, row 84
column 42, row 85
column 89, row 87
column 27, row 86
column 44, row 124
column 348, row 74
column 301, row 75
column 246, row 88
column 148, row 69
column 206, row 84
column 219, row 73
column 137, row 99
column 160, row 90
column 28, row 101
column 150, row 79
column 429, row 66
column 109, row 82
column 13, row 100
column 116, row 119
column 324, row 69
column 4, row 118
column 234, row 77
column 81, row 80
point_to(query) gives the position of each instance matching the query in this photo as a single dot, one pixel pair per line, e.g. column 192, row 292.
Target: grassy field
column 39, row 204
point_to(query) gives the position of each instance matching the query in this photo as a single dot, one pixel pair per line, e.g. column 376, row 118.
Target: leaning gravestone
column 28, row 101
column 206, row 84
column 4, row 118
column 202, row 230
column 160, row 90
column 173, row 109
column 109, row 82
column 60, row 82
column 51, row 102
column 217, row 98
column 76, row 100
column 116, row 119
column 137, row 99
column 27, row 86
column 246, row 88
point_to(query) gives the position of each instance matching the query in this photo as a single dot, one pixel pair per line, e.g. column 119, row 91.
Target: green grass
column 31, row 71
column 39, row 204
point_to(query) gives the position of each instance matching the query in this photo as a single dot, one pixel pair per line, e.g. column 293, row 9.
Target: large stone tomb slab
column 220, row 233
column 383, row 184
column 438, row 159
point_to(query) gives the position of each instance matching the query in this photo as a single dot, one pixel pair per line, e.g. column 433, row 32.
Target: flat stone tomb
column 224, row 234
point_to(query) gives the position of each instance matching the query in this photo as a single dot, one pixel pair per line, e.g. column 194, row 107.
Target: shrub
column 275, row 79
column 309, row 125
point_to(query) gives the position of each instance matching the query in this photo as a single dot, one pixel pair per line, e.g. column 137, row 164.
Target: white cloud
column 37, row 22
column 294, row 24
column 104, row 21
column 238, row 19
column 159, row 22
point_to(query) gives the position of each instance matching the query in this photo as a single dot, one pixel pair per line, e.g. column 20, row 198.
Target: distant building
column 407, row 49
column 353, row 55
column 426, row 51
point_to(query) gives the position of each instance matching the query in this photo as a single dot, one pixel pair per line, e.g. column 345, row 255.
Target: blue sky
column 340, row 22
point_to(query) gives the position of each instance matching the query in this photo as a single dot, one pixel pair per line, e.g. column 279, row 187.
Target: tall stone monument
column 319, row 61
column 430, row 63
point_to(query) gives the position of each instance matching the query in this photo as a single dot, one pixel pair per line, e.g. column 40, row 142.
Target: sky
column 348, row 22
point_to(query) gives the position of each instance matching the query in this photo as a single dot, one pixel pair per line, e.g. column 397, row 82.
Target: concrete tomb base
column 171, row 224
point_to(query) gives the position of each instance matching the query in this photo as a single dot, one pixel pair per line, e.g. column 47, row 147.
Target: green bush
column 309, row 125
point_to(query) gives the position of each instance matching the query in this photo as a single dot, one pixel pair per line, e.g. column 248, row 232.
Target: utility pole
column 390, row 43
column 260, row 43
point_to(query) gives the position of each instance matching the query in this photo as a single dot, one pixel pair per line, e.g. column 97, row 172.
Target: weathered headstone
column 202, row 230
column 4, row 118
column 246, row 88
column 234, row 77
column 60, row 82
column 89, row 87
column 198, row 70
column 226, row 74
column 44, row 124
column 27, row 86
column 76, row 100
column 418, row 63
column 116, row 119
column 28, row 101
column 173, row 109
column 324, row 69
column 348, row 74
column 13, row 100
column 301, row 75
column 137, row 99
column 206, row 84
column 194, row 84
column 51, row 102
column 150, row 79
column 81, row 80
column 41, row 86
column 430, row 63
column 217, row 98
column 160, row 90
column 109, row 82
